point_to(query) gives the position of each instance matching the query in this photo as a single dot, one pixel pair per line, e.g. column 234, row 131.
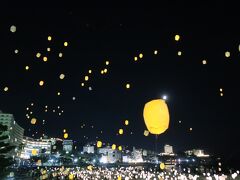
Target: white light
column 164, row 97
column 103, row 160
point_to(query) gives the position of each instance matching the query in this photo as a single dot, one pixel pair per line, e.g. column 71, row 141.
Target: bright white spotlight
column 164, row 97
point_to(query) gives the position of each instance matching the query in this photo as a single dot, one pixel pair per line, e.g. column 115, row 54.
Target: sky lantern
column 221, row 90
column 227, row 54
column 13, row 29
column 27, row 68
column 45, row 59
column 38, row 55
column 128, row 86
column 120, row 131
column 221, row 94
column 190, row 129
column 64, row 130
column 135, row 58
column 33, row 121
column 177, row 37
column 146, row 133
column 49, row 38
column 65, row 44
column 162, row 166
column 82, row 84
column 105, row 70
column 107, row 62
column 58, row 93
column 204, row 62
column 86, row 78
column 16, row 51
column 62, row 76
column 34, row 152
column 89, row 71
column 41, row 83
column 60, row 55
column 113, row 146
column 99, row 144
column 179, row 53
column 140, row 55
column 48, row 49
column 155, row 52
column 65, row 135
column 126, row 122
column 120, row 148
column 156, row 116
column 5, row 89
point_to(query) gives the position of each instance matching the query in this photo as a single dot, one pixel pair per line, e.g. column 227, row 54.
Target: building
column 35, row 147
column 67, row 145
column 168, row 149
column 88, row 149
column 197, row 152
column 137, row 155
column 109, row 155
column 14, row 132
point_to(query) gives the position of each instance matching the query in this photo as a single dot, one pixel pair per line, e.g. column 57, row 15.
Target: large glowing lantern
column 156, row 116
column 99, row 144
column 113, row 146
column 65, row 135
column 33, row 121
column 120, row 131
column 126, row 122
column 162, row 166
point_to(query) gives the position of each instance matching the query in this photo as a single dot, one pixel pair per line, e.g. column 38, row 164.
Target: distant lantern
column 177, row 37
column 41, row 83
column 120, row 131
column 89, row 71
column 45, row 59
column 65, row 44
column 38, row 55
column 146, row 133
column 227, row 54
column 49, row 38
column 135, row 58
column 58, row 93
column 71, row 176
column 162, row 166
column 221, row 94
column 113, row 146
column 62, row 76
column 86, row 78
column 90, row 88
column 155, row 52
column 221, row 89
column 140, row 55
column 16, row 51
column 33, row 121
column 34, row 152
column 156, row 116
column 82, row 84
column 48, row 49
column 190, row 129
column 13, row 29
column 126, row 122
column 120, row 148
column 107, row 62
column 127, row 86
column 102, row 72
column 99, row 144
column 204, row 62
column 27, row 68
column 65, row 135
column 5, row 89
column 179, row 53
column 73, row 98
column 60, row 55
column 105, row 70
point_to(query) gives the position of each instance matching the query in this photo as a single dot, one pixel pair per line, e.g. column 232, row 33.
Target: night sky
column 99, row 34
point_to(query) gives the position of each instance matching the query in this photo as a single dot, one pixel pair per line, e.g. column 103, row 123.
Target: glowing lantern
column 102, row 72
column 27, row 68
column 73, row 98
column 49, row 38
column 62, row 76
column 33, row 121
column 204, row 62
column 127, row 86
column 141, row 56
column 155, row 52
column 120, row 131
column 65, row 44
column 13, row 29
column 16, row 51
column 126, row 122
column 45, row 59
column 60, row 55
column 5, row 89
column 113, row 146
column 221, row 89
column 120, row 148
column 82, row 84
column 64, row 130
column 99, row 144
column 89, row 167
column 48, row 49
column 190, row 129
column 107, row 62
column 135, row 58
column 58, row 93
column 156, row 116
column 86, row 78
column 89, row 71
column 34, row 152
column 177, row 37
column 65, row 135
column 179, row 53
column 227, row 54
column 221, row 94
column 105, row 70
column 38, row 55
column 146, row 133
column 162, row 166
column 41, row 83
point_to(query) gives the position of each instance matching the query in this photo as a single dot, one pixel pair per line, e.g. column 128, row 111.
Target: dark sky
column 96, row 34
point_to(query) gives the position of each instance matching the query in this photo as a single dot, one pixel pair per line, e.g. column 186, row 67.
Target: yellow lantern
column 90, row 167
column 120, row 148
column 107, row 62
column 65, row 44
column 5, row 89
column 34, row 152
column 49, row 38
column 155, row 52
column 162, row 166
column 146, row 133
column 179, row 53
column 140, row 55
column 89, row 71
column 156, row 116
column 105, row 70
column 41, row 83
column 71, row 176
column 227, row 54
column 65, row 135
column 120, row 131
column 45, row 59
column 61, row 76
column 177, row 37
column 135, row 58
column 127, row 86
column 38, row 55
column 126, row 122
column 86, row 78
column 27, row 67
column 99, row 144
column 113, row 146
column 33, row 121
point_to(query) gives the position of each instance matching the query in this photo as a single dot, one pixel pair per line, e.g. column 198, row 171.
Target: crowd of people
column 122, row 173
